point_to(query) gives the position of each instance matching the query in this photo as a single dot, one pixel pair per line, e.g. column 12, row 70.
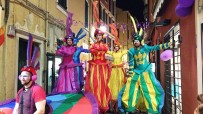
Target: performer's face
column 69, row 41
column 116, row 47
column 99, row 37
column 25, row 77
column 136, row 43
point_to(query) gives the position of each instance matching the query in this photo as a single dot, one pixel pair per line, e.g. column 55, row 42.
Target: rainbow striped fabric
column 73, row 103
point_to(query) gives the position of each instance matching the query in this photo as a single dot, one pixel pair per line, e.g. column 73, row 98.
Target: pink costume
column 67, row 80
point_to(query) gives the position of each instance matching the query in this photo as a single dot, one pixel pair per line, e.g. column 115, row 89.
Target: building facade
column 46, row 21
column 181, row 76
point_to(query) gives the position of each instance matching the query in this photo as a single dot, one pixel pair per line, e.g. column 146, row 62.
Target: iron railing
column 173, row 88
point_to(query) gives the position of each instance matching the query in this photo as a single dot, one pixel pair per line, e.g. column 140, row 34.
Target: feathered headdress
column 138, row 35
column 31, row 65
column 70, row 34
column 69, row 22
column 98, row 31
column 79, row 36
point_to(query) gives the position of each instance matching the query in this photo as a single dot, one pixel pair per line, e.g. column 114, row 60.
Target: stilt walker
column 142, row 90
column 117, row 75
column 98, row 73
column 69, row 80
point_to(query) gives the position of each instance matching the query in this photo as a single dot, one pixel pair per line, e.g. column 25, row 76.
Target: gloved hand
column 130, row 73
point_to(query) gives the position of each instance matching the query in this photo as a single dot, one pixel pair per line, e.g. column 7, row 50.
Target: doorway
column 22, row 57
column 53, row 62
column 202, row 51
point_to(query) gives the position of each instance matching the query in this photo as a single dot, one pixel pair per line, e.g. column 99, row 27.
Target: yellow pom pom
column 105, row 35
column 142, row 42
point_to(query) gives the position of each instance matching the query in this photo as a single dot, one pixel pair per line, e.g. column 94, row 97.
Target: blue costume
column 76, row 59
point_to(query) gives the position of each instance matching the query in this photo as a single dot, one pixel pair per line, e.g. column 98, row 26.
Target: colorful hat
column 69, row 22
column 79, row 36
column 97, row 31
column 29, row 69
column 138, row 34
column 32, row 65
column 70, row 34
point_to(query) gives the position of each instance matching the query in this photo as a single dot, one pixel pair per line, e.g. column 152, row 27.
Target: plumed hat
column 97, row 31
column 70, row 34
column 29, row 69
column 31, row 65
column 138, row 34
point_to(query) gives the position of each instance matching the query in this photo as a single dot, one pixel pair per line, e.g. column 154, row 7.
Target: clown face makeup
column 25, row 78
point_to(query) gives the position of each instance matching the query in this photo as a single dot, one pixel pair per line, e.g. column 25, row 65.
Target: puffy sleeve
column 158, row 47
column 60, row 51
column 110, row 52
column 105, row 48
column 131, row 61
column 124, row 52
column 93, row 49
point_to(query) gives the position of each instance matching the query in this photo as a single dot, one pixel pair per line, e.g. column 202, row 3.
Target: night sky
column 135, row 7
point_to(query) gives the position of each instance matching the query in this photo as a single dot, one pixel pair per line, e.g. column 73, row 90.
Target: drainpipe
column 45, row 79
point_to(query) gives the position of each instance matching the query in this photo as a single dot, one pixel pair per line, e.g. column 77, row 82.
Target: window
column 202, row 48
column 86, row 14
column 111, row 5
column 63, row 4
column 100, row 12
column 113, row 8
column 110, row 23
column 173, row 74
column 104, row 16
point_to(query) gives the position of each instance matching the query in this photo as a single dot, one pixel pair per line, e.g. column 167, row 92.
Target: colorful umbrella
column 74, row 103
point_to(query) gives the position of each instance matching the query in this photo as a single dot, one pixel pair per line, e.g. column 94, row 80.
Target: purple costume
column 68, row 75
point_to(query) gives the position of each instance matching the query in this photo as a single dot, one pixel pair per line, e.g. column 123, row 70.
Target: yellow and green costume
column 142, row 90
column 117, row 77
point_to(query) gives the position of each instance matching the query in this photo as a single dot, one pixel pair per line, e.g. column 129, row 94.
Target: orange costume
column 98, row 76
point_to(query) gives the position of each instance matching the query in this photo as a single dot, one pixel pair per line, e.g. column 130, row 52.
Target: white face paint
column 25, row 77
